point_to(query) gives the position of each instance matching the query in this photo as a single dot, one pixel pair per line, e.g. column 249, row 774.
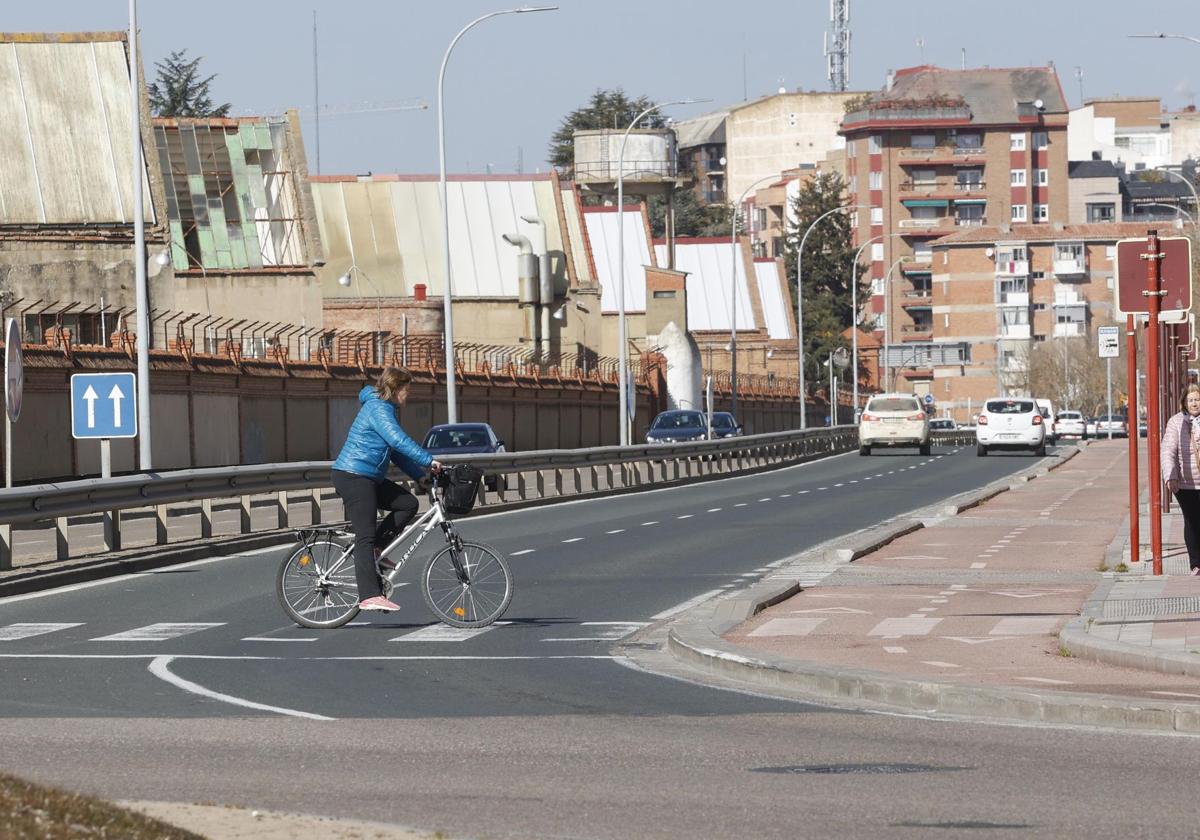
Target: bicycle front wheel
column 316, row 585
column 472, row 592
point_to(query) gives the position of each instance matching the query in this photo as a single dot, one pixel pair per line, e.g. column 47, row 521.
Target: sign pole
column 112, row 534
column 1131, row 375
column 1108, row 391
column 7, row 450
column 1153, row 258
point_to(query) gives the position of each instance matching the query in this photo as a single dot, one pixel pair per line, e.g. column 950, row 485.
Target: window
column 875, row 180
column 1101, row 212
column 1041, row 140
column 1070, row 251
column 1011, row 253
column 923, row 252
column 924, row 177
column 852, row 149
column 969, row 179
column 1016, row 142
column 853, row 219
column 874, row 144
column 968, row 214
column 1041, row 212
column 877, row 287
column 852, row 185
column 1043, row 177
column 969, row 141
column 1110, row 252
column 877, row 252
column 876, row 215
column 1016, row 177
column 924, row 212
column 760, row 218
column 1019, row 212
column 923, row 141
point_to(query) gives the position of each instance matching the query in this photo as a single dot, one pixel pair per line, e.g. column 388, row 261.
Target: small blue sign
column 103, row 405
column 929, row 399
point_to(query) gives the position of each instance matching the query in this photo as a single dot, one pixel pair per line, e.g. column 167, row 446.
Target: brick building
column 997, row 291
column 940, row 150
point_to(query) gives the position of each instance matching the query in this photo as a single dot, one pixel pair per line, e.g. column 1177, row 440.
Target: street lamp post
column 345, row 281
column 733, row 294
column 800, row 299
column 451, row 402
column 142, row 298
column 887, row 322
column 622, row 350
column 854, row 308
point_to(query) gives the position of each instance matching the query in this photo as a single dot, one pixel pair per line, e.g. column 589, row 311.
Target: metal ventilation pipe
column 527, row 282
column 545, row 282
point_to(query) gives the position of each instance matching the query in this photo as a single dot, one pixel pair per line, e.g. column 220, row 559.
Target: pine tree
column 691, row 217
column 179, row 91
column 828, row 263
column 606, row 109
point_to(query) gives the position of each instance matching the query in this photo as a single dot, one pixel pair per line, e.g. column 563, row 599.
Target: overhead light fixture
column 560, row 313
column 344, row 280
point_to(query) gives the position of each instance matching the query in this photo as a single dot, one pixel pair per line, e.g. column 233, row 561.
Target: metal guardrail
column 536, row 475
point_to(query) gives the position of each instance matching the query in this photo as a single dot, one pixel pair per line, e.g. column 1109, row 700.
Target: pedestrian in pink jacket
column 1180, row 447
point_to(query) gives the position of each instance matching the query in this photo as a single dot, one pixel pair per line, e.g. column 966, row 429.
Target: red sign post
column 1132, row 414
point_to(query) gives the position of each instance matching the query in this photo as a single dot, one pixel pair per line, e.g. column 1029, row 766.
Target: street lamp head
column 560, row 313
column 344, row 280
column 525, row 9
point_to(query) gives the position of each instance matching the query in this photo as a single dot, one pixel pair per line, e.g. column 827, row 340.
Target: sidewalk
column 1011, row 609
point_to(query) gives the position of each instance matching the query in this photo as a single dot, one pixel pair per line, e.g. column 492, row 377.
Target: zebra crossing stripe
column 159, row 632
column 445, row 633
column 25, row 631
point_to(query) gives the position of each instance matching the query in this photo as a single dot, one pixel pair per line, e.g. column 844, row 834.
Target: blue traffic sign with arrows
column 103, row 405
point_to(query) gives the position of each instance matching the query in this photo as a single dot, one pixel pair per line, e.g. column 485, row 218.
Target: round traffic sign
column 929, row 399
column 14, row 370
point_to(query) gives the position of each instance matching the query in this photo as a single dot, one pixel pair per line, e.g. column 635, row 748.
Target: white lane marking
column 160, row 667
column 766, row 499
column 713, row 510
column 616, row 531
column 785, row 495
column 25, row 631
column 854, row 481
column 740, row 504
column 686, row 605
column 937, row 663
column 614, row 630
column 444, row 633
column 159, row 632
column 894, row 649
column 1024, row 626
column 919, row 625
column 1174, row 694
column 280, row 639
column 822, row 488
column 927, row 609
column 685, row 516
column 839, row 484
column 574, row 539
column 523, row 551
column 802, row 492
column 1046, row 680
column 939, row 600
column 652, row 522
column 787, row 627
column 971, row 640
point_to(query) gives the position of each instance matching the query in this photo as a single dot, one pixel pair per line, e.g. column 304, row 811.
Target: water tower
column 651, row 167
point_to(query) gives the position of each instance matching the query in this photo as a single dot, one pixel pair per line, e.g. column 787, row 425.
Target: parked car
column 467, row 439
column 1047, row 411
column 1010, row 423
column 1115, row 422
column 942, row 424
column 1070, row 424
column 678, row 426
column 893, row 420
column 725, row 425
column 1089, row 423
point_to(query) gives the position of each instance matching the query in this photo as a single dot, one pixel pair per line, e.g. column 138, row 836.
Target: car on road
column 1010, row 423
column 724, row 425
column 1047, row 410
column 467, row 439
column 893, row 420
column 678, row 426
column 1115, row 422
column 942, row 424
column 1070, row 424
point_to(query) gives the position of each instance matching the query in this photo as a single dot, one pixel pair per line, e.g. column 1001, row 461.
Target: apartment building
column 1123, row 129
column 995, row 293
column 939, row 150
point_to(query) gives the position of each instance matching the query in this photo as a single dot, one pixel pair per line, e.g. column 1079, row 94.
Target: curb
column 696, row 639
column 152, row 557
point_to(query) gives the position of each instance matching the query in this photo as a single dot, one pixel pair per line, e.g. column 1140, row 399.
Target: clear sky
column 511, row 79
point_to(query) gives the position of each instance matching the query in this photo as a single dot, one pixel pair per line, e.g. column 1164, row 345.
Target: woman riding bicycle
column 360, row 478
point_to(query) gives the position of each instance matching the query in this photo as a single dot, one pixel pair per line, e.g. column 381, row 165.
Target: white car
column 1010, row 423
column 943, row 424
column 1047, row 409
column 1070, row 424
column 893, row 420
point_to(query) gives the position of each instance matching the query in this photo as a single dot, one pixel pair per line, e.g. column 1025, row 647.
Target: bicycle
column 466, row 584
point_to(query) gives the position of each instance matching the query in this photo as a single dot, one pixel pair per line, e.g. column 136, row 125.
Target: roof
column 991, row 95
column 601, row 224
column 1146, row 190
column 390, row 228
column 712, row 270
column 773, row 295
column 698, row 131
column 1109, row 231
column 65, row 130
column 1092, row 169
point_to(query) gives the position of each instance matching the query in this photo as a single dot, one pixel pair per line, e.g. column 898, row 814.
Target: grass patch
column 30, row 810
column 1065, row 653
column 1102, row 566
column 1121, row 567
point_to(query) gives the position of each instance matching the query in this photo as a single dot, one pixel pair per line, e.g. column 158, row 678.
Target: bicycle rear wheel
column 309, row 593
column 478, row 595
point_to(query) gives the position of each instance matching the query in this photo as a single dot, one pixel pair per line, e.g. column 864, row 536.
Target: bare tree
column 1069, row 372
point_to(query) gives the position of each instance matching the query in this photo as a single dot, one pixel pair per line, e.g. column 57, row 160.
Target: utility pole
column 837, row 45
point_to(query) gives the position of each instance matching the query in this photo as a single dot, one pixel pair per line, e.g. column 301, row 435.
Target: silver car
column 893, row 420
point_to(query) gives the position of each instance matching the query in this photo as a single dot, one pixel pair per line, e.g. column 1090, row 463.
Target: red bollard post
column 1153, row 293
column 1131, row 376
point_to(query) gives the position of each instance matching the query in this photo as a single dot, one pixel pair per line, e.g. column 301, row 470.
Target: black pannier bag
column 461, row 485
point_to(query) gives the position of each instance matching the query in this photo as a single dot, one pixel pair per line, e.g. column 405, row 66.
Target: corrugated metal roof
column 601, row 223
column 579, row 248
column 711, row 268
column 698, row 131
column 391, row 229
column 65, row 132
column 774, row 299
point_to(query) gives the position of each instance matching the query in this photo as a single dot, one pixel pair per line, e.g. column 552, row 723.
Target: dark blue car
column 678, row 426
column 466, row 439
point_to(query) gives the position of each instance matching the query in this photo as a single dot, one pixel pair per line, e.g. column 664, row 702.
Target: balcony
column 916, row 332
column 1068, row 297
column 887, row 112
column 1014, row 298
column 1012, row 268
column 1015, row 331
column 917, row 299
column 1070, row 268
column 948, row 188
column 970, row 221
column 969, row 186
column 1068, row 329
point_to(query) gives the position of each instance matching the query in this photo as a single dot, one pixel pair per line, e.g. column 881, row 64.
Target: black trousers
column 362, row 498
column 1189, row 505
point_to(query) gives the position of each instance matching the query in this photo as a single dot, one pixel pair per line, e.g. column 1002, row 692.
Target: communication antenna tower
column 837, row 45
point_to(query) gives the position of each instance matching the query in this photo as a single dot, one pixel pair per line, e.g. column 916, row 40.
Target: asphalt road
column 188, row 684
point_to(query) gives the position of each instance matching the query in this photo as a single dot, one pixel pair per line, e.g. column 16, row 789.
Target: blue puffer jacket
column 375, row 438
